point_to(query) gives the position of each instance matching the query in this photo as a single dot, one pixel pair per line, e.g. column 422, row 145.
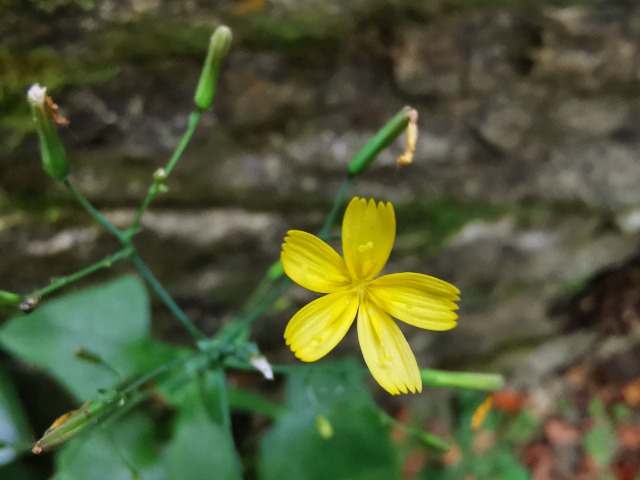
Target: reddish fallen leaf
column 560, row 433
column 483, row 441
column 414, row 463
column 508, row 401
column 629, row 436
column 576, row 375
column 398, row 434
column 588, row 469
column 627, row 466
column 452, row 457
column 539, row 459
column 631, row 394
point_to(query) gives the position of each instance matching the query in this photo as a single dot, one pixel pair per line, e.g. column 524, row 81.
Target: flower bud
column 54, row 158
column 381, row 140
column 324, row 427
column 71, row 424
column 218, row 49
column 9, row 298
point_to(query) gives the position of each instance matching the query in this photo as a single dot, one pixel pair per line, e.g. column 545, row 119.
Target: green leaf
column 124, row 450
column 352, row 442
column 201, row 448
column 110, row 321
column 14, row 428
column 244, row 400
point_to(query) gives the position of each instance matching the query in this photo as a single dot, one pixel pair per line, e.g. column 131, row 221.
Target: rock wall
column 524, row 183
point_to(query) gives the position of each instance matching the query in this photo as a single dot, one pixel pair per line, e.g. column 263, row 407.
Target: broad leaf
column 14, row 428
column 109, row 323
column 333, row 430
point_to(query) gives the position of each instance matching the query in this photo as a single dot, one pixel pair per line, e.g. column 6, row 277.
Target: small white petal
column 261, row 364
column 36, row 95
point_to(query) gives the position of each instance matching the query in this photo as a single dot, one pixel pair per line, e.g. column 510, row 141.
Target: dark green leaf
column 201, row 448
column 124, row 450
column 333, row 430
column 14, row 428
column 110, row 321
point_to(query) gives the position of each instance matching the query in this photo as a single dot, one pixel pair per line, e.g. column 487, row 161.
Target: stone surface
column 534, row 113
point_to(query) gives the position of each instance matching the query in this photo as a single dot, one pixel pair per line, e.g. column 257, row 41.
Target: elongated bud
column 54, row 158
column 470, row 380
column 9, row 298
column 71, row 424
column 218, row 49
column 324, row 427
column 433, row 441
column 381, row 140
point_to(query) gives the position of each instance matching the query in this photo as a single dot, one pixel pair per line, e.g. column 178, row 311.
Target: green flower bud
column 470, row 380
column 9, row 298
column 71, row 424
column 433, row 441
column 54, row 158
column 381, row 140
column 324, row 427
column 218, row 49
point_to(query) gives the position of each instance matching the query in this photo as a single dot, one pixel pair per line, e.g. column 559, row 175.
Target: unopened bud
column 54, row 158
column 433, row 441
column 71, row 424
column 381, row 140
column 9, row 298
column 325, row 429
column 218, row 49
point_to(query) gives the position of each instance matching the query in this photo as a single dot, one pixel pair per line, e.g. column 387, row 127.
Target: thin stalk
column 246, row 320
column 226, row 419
column 106, row 262
column 154, row 189
column 252, row 307
column 429, row 439
column 165, row 297
column 106, row 224
column 337, row 203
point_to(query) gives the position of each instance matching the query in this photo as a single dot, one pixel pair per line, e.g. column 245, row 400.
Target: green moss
column 20, row 69
column 294, row 32
column 151, row 38
column 436, row 221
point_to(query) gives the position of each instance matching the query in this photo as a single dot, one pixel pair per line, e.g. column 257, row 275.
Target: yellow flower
column 368, row 233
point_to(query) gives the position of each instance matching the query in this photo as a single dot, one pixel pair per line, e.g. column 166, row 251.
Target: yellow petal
column 368, row 232
column 419, row 300
column 320, row 325
column 312, row 263
column 386, row 351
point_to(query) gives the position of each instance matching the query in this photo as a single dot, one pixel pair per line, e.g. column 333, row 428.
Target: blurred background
column 524, row 191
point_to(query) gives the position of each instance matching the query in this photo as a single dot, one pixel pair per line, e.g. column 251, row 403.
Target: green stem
column 427, row 438
column 226, row 419
column 246, row 320
column 155, row 188
column 337, row 203
column 253, row 308
column 165, row 297
column 106, row 262
column 142, row 268
column 106, row 224
column 381, row 140
column 470, row 380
